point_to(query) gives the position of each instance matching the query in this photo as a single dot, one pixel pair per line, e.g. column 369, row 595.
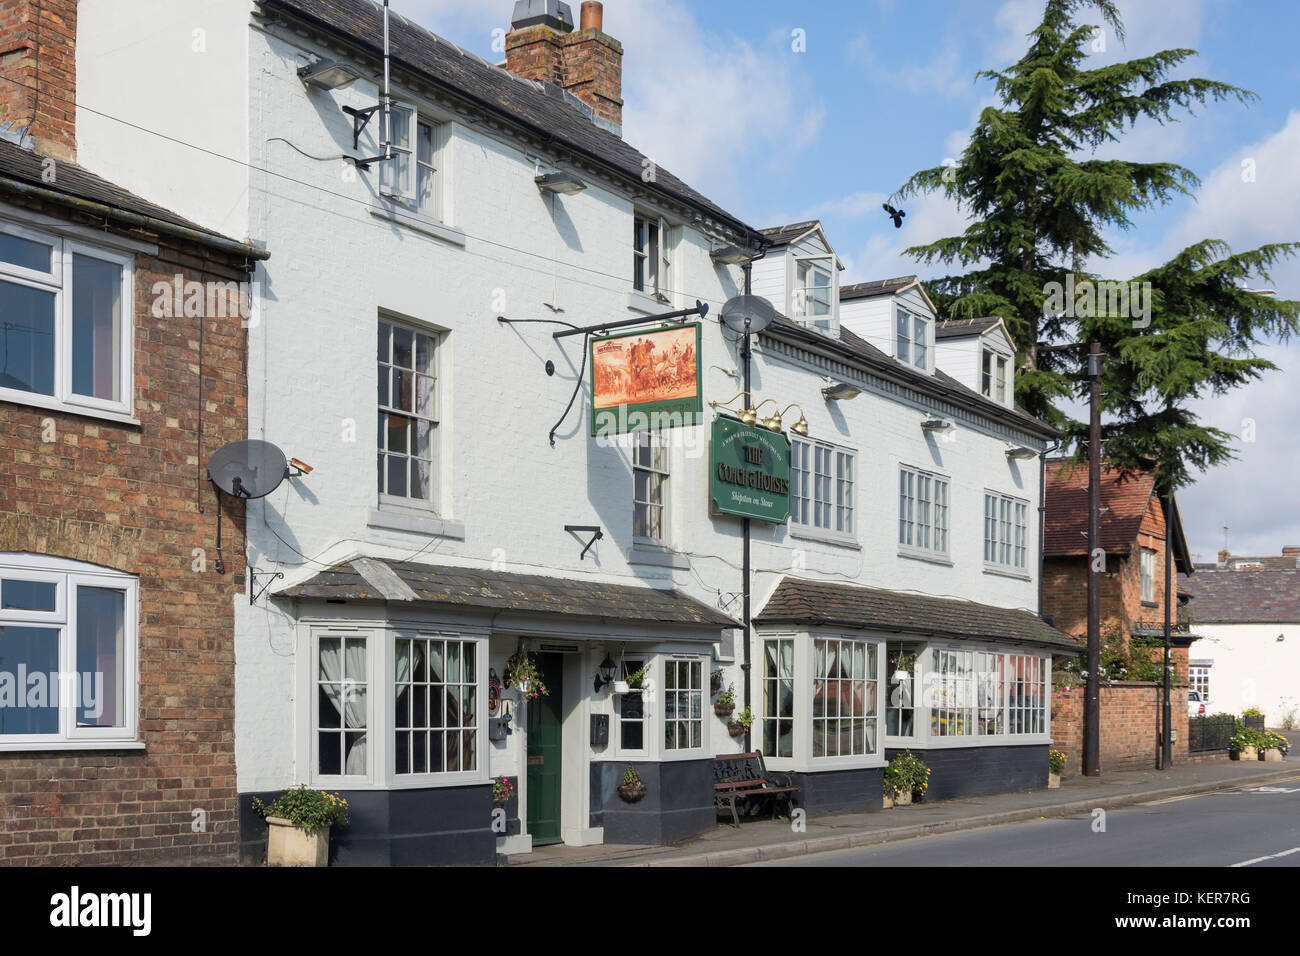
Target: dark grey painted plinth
column 979, row 771
column 430, row 827
column 678, row 801
column 839, row 791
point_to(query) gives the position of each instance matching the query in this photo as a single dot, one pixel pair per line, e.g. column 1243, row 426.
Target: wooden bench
column 740, row 777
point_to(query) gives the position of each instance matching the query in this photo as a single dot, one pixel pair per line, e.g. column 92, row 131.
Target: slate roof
column 1244, row 597
column 856, row 349
column 783, row 235
column 543, row 107
column 1124, row 498
column 866, row 290
column 960, row 328
column 25, row 166
column 800, row 601
column 1271, row 562
column 504, row 590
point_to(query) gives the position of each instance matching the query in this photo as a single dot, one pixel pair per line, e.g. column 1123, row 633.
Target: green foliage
column 1039, row 203
column 728, row 696
column 630, row 777
column 1252, row 712
column 521, row 671
column 503, row 788
column 306, row 808
column 745, row 718
column 1271, row 741
column 1246, row 738
column 1055, row 761
column 906, row 773
column 637, row 678
column 1137, row 659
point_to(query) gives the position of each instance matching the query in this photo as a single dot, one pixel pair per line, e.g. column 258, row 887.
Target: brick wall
column 589, row 63
column 40, row 37
column 1130, row 720
column 127, row 497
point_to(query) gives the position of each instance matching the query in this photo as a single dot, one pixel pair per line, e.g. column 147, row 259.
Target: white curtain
column 345, row 686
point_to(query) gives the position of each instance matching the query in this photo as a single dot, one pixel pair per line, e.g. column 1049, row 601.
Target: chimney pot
column 593, row 15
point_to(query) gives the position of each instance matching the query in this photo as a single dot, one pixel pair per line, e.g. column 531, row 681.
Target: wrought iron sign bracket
column 253, row 593
column 592, row 529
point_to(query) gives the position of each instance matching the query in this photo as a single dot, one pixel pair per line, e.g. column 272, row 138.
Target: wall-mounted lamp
column 937, row 425
column 840, row 392
column 606, row 673
column 748, row 415
column 1021, row 453
column 800, row 427
column 328, row 75
column 731, row 255
column 564, row 183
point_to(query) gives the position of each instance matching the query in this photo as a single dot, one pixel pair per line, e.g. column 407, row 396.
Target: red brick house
column 1132, row 532
column 122, row 368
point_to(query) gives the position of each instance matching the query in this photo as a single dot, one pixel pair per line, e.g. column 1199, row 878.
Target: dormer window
column 994, row 379
column 912, row 339
column 813, row 303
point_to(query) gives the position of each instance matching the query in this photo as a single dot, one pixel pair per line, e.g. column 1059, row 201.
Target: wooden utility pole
column 1092, row 689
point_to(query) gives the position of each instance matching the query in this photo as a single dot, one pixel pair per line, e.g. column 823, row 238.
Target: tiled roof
column 467, row 587
column 781, row 235
column 865, row 290
column 800, row 601
column 25, row 167
column 1270, row 562
column 541, row 106
column 960, row 328
column 1244, row 597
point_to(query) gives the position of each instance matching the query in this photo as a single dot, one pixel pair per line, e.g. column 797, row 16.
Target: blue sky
column 718, row 93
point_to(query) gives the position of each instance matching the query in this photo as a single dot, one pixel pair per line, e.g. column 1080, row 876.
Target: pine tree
column 1039, row 207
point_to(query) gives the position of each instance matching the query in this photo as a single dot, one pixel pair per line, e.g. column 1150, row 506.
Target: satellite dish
column 248, row 469
column 748, row 313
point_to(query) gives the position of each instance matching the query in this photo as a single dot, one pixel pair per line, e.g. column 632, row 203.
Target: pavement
column 763, row 840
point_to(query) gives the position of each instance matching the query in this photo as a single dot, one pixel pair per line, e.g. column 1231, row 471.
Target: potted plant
column 298, row 826
column 743, row 721
column 1244, row 745
column 521, row 672
column 1055, row 764
column 503, row 788
column 634, row 681
column 902, row 667
column 632, row 788
column 726, row 702
column 1272, row 747
column 906, row 779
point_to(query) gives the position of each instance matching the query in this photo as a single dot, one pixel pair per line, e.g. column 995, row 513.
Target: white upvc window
column 813, row 301
column 1198, row 679
column 1147, row 559
column 683, row 703
column 650, row 475
column 995, row 380
column 845, row 698
column 408, row 413
column 68, row 645
column 911, row 339
column 922, row 511
column 414, row 175
column 67, row 314
column 1006, row 532
column 983, row 693
column 822, row 487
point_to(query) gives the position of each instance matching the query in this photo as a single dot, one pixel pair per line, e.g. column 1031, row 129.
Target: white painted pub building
column 461, row 513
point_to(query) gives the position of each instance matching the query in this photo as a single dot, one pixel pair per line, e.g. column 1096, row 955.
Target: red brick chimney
column 588, row 62
column 38, row 72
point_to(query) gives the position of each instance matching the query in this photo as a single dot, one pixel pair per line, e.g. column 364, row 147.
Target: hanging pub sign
column 646, row 380
column 749, row 471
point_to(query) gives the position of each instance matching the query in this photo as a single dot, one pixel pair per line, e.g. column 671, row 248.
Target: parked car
column 1195, row 706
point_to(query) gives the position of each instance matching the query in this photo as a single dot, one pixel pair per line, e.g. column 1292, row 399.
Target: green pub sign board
column 749, row 471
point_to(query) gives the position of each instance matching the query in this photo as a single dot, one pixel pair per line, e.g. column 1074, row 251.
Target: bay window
column 67, row 653
column 778, row 697
column 342, row 712
column 984, row 693
column 844, row 698
column 435, row 705
column 631, row 712
column 67, row 315
column 683, row 704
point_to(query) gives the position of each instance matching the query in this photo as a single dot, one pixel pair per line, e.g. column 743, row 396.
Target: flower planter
column 1053, row 780
column 1272, row 755
column 289, row 845
column 1248, row 753
column 621, row 687
column 889, row 801
column 724, row 710
column 631, row 792
column 736, row 729
column 899, row 676
column 903, row 799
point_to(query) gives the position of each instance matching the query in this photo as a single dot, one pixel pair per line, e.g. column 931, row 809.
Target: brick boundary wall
column 1129, row 726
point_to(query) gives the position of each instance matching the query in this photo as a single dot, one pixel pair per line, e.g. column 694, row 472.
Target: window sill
column 418, row 222
column 34, row 400
column 657, row 555
column 826, row 537
column 1007, row 573
column 63, row 745
column 415, row 523
column 1150, row 604
column 647, row 304
column 930, row 557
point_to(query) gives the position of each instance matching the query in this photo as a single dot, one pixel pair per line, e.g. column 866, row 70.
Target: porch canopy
column 916, row 616
column 413, row 584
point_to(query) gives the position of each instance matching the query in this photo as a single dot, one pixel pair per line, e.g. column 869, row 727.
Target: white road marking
column 1271, row 856
column 1274, row 790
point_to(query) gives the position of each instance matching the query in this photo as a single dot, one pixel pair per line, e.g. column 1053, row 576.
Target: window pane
column 424, row 143
column 96, row 328
column 100, row 633
column 27, row 596
column 27, row 342
column 36, row 650
column 25, row 253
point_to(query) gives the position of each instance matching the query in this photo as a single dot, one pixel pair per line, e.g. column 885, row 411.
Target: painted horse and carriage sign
column 646, row 379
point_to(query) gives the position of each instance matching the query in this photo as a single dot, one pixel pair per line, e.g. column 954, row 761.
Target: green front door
column 544, row 752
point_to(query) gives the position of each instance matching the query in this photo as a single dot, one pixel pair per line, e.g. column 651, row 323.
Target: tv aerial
column 747, row 314
column 249, row 469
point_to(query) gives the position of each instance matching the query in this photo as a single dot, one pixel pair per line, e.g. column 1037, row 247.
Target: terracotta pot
column 289, row 845
column 1053, row 780
column 631, row 792
column 724, row 710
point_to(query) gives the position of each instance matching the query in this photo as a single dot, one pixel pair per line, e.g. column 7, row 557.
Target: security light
column 1021, row 453
column 328, row 75
column 564, row 183
column 840, row 392
column 731, row 255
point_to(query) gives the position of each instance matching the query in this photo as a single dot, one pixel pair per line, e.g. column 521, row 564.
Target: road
column 1258, row 828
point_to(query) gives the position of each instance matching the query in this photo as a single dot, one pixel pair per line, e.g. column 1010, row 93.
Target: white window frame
column 1006, row 531
column 925, row 518
column 67, row 576
column 908, row 346
column 626, row 666
column 647, row 254
column 985, row 687
column 404, row 189
column 1147, row 573
column 430, row 504
column 995, row 376
column 58, row 281
column 874, row 665
column 803, row 294
column 1198, row 679
column 841, row 469
column 482, row 755
column 658, row 442
column 759, row 735
column 661, row 724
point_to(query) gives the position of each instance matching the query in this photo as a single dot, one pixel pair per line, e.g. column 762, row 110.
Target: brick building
column 122, row 368
column 1132, row 530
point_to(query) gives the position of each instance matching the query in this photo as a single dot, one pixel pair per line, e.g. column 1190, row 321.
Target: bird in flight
column 894, row 214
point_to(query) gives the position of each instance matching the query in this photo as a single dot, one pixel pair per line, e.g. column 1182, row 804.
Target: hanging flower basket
column 631, row 792
column 735, row 728
column 724, row 710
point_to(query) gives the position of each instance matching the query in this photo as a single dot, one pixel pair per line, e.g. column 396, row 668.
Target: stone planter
column 1053, row 780
column 888, row 801
column 903, row 799
column 1249, row 753
column 1272, row 755
column 288, row 845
